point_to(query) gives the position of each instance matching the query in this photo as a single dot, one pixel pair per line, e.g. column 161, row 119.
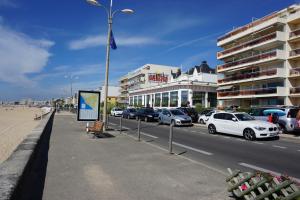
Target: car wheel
column 201, row 121
column 249, row 134
column 282, row 128
column 146, row 119
column 212, row 129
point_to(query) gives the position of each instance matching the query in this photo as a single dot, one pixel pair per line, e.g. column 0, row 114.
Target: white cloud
column 101, row 40
column 21, row 55
column 8, row 3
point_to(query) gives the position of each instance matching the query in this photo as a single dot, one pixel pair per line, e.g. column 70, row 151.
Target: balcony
column 294, row 54
column 253, row 93
column 295, row 72
column 270, row 38
column 254, row 76
column 255, row 26
column 295, row 91
column 252, row 60
column 294, row 36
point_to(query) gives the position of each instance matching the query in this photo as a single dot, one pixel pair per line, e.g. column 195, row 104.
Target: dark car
column 147, row 114
column 190, row 112
column 204, row 112
column 129, row 113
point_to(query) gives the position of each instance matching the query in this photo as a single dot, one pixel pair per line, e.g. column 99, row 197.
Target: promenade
column 120, row 167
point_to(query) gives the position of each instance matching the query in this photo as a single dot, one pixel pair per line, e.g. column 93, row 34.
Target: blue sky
column 43, row 43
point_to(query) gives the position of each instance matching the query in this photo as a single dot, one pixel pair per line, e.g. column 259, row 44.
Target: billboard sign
column 88, row 106
column 158, row 78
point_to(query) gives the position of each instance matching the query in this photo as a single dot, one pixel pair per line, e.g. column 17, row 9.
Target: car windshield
column 149, row 111
column 118, row 109
column 293, row 112
column 132, row 110
column 244, row 117
column 176, row 112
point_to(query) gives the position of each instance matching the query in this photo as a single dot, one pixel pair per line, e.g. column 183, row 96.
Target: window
column 212, row 99
column 147, row 100
column 228, row 116
column 140, row 101
column 165, row 99
column 165, row 112
column 131, row 101
column 174, row 99
column 157, row 99
column 219, row 116
column 184, row 98
column 135, row 100
column 198, row 97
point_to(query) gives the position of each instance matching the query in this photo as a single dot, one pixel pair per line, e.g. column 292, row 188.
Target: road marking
column 226, row 137
column 265, row 170
column 258, row 142
column 280, row 147
column 152, row 136
column 193, row 149
column 113, row 124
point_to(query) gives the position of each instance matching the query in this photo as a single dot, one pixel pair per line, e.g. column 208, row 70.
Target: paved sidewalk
column 119, row 167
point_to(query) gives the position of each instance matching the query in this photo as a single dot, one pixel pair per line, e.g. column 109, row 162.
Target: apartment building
column 145, row 76
column 261, row 61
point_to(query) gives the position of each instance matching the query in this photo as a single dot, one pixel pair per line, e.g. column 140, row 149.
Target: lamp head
column 94, row 2
column 127, row 11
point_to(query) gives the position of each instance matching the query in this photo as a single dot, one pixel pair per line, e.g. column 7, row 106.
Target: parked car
column 129, row 113
column 146, row 114
column 117, row 112
column 190, row 112
column 287, row 122
column 204, row 112
column 204, row 117
column 241, row 124
column 174, row 117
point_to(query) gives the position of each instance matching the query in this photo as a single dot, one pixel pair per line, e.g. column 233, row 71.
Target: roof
column 202, row 68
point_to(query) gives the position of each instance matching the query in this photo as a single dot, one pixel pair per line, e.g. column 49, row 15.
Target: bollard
column 171, row 139
column 139, row 130
column 120, row 124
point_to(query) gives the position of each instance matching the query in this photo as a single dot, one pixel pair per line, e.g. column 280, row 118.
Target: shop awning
column 228, row 87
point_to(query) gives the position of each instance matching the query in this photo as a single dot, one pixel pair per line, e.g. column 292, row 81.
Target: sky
column 47, row 44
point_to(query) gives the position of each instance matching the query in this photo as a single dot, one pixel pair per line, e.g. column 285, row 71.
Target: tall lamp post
column 110, row 16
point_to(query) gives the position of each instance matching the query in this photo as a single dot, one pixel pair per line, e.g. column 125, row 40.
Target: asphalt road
column 221, row 151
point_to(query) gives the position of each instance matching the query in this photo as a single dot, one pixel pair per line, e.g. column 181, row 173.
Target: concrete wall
column 22, row 175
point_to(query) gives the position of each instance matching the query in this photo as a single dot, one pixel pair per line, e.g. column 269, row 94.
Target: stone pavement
column 120, row 167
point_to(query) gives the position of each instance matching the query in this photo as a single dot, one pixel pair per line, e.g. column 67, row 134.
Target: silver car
column 174, row 117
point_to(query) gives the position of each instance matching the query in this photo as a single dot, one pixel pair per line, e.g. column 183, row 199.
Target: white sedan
column 241, row 124
column 116, row 112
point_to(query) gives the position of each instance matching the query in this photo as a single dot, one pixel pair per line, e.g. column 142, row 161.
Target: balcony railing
column 295, row 90
column 258, row 74
column 295, row 71
column 258, row 91
column 248, row 44
column 294, row 52
column 295, row 33
column 248, row 60
column 248, row 26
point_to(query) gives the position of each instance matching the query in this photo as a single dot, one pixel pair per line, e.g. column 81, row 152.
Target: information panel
column 88, row 105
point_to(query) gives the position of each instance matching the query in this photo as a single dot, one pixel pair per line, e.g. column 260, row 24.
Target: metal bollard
column 139, row 130
column 121, row 124
column 171, row 139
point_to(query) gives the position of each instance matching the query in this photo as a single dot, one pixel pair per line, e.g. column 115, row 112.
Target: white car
column 204, row 118
column 241, row 124
column 117, row 112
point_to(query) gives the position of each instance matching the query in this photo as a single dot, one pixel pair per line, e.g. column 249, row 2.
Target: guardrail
column 261, row 186
column 22, row 175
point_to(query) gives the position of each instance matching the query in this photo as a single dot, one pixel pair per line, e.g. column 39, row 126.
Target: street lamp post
column 110, row 16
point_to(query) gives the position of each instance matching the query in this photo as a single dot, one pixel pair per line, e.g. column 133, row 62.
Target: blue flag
column 113, row 44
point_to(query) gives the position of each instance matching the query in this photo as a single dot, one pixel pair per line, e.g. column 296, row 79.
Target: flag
column 112, row 41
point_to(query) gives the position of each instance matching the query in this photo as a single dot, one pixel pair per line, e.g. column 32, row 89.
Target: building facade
column 146, row 76
column 261, row 61
column 112, row 96
column 197, row 86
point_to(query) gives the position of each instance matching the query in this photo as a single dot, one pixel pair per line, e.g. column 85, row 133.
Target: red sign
column 158, row 78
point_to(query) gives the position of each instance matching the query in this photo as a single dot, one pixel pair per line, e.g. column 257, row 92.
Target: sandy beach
column 15, row 124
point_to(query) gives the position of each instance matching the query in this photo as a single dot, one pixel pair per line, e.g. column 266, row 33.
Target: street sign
column 88, row 106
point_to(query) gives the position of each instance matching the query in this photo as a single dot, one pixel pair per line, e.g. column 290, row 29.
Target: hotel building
column 146, row 76
column 261, row 61
column 197, row 85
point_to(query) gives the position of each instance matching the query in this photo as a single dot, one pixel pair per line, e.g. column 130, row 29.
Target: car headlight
column 149, row 115
column 259, row 128
column 177, row 120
